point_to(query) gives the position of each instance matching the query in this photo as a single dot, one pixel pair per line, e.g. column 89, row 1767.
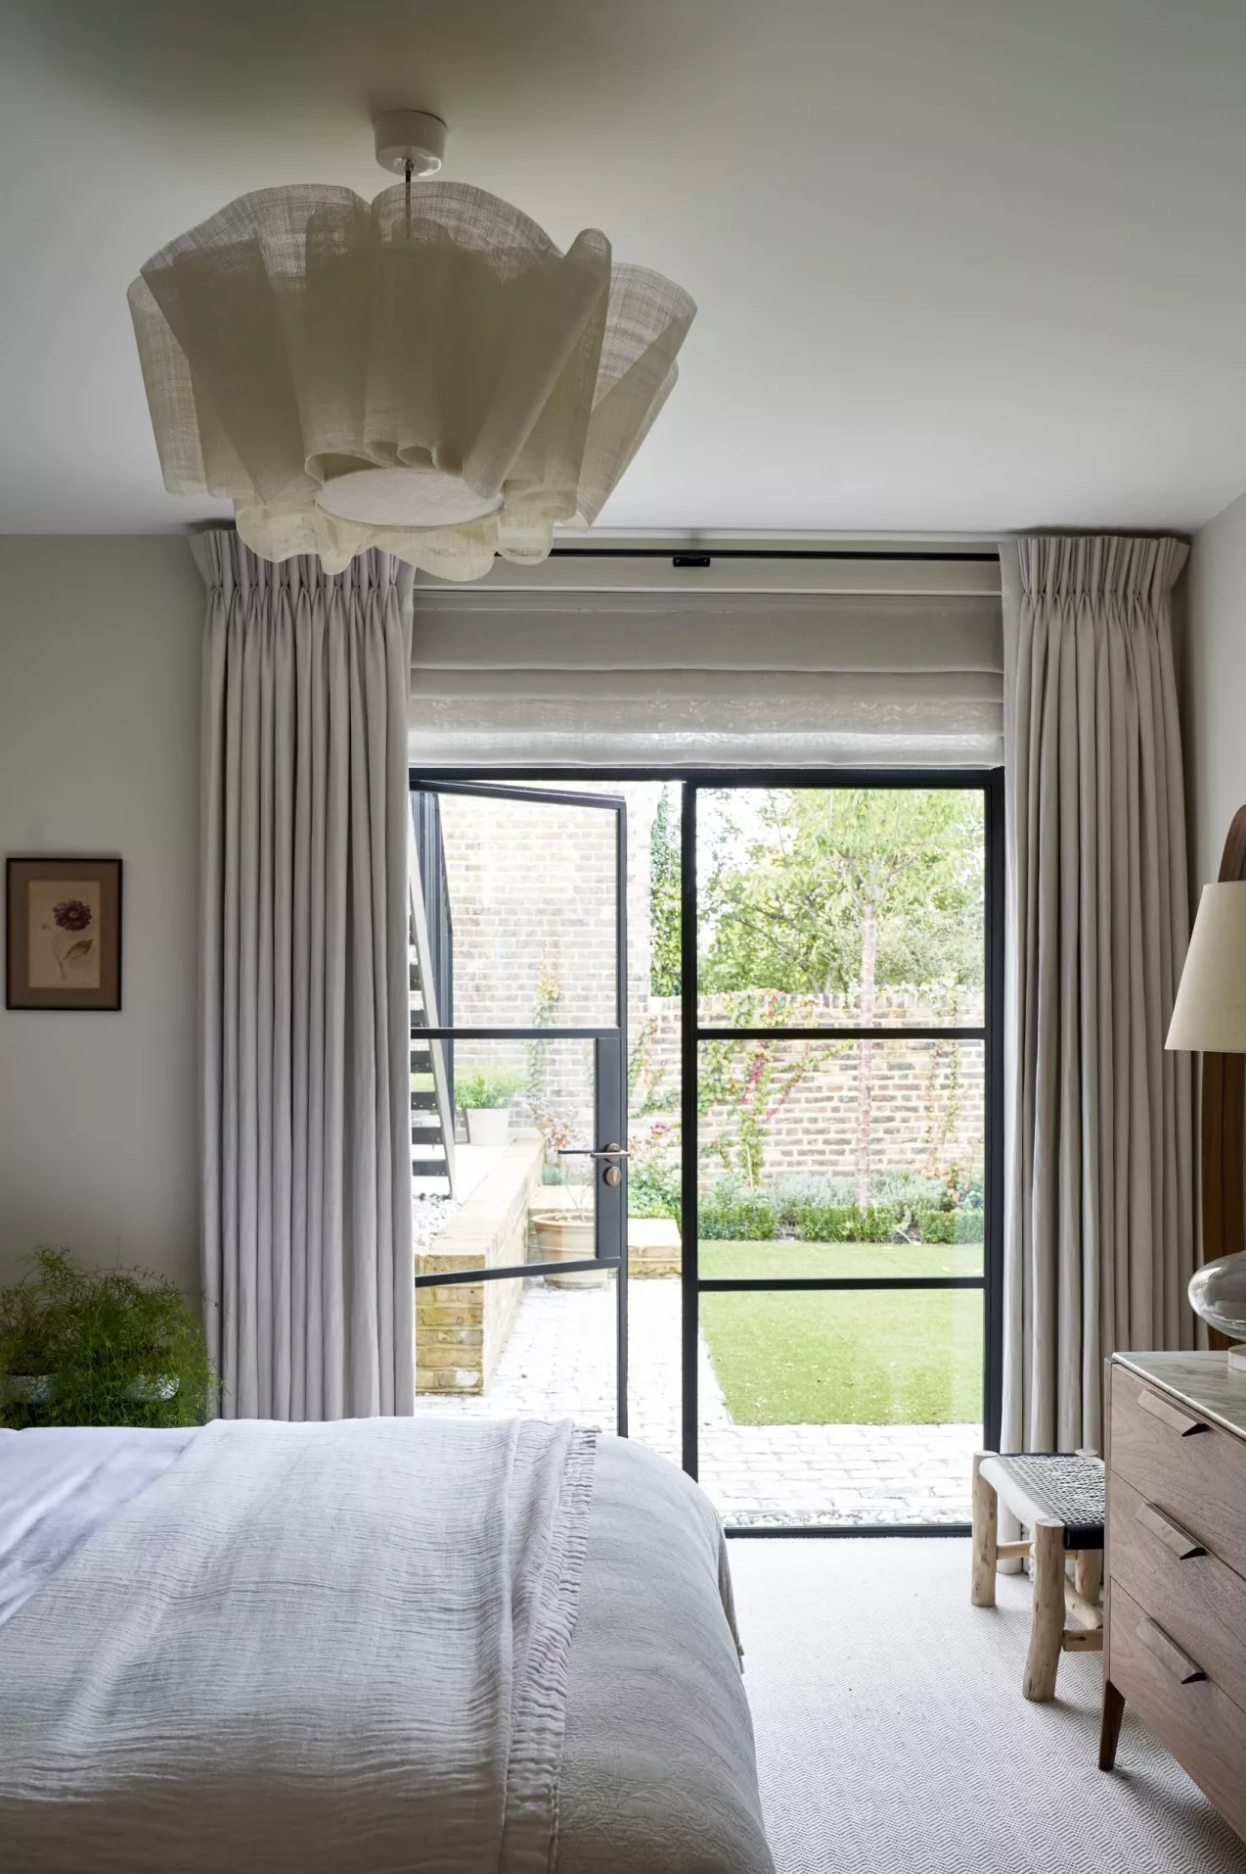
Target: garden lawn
column 870, row 1358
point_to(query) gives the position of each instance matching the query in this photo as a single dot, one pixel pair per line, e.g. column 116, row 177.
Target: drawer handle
column 1169, row 1654
column 1179, row 1422
column 1172, row 1535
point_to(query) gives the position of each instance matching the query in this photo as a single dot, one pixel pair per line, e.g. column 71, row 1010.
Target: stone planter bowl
column 560, row 1238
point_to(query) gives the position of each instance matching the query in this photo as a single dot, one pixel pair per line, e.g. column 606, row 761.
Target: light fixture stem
column 407, row 168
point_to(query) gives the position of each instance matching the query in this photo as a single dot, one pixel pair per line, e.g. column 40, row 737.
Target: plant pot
column 487, row 1125
column 560, row 1238
column 37, row 1388
column 148, row 1391
column 26, row 1388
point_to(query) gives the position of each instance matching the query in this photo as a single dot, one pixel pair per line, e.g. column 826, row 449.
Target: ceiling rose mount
column 410, row 137
column 427, row 373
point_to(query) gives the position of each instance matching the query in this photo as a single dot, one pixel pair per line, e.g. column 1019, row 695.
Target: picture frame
column 62, row 934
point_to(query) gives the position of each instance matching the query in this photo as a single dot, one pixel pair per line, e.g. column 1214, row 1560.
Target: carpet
column 892, row 1734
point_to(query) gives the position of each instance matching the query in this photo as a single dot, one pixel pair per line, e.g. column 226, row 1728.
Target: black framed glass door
column 842, row 942
column 518, row 1054
column 811, row 1098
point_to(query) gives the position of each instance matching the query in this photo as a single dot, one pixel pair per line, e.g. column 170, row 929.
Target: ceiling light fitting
column 426, row 373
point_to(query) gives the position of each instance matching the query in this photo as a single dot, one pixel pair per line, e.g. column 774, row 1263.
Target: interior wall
column 99, row 750
column 1215, row 683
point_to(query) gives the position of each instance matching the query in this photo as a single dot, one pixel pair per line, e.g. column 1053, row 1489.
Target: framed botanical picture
column 63, row 945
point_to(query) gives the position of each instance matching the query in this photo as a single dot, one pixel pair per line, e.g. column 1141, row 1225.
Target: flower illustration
column 72, row 914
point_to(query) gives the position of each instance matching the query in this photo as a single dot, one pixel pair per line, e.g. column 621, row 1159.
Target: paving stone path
column 559, row 1362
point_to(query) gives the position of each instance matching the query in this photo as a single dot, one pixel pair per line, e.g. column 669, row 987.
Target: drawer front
column 1187, row 1468
column 1192, row 1717
column 1192, row 1595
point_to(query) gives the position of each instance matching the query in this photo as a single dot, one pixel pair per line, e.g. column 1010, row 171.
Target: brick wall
column 927, row 1097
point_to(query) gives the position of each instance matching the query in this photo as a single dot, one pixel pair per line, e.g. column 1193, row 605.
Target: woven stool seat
column 1066, row 1488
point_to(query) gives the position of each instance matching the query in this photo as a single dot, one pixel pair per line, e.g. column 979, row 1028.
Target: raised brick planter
column 461, row 1329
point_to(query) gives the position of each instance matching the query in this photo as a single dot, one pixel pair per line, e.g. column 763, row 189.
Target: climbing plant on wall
column 664, row 975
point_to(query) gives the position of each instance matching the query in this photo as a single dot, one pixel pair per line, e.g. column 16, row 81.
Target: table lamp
column 1209, row 1016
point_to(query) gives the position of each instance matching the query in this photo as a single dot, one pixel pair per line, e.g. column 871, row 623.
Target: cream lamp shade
column 1209, row 1015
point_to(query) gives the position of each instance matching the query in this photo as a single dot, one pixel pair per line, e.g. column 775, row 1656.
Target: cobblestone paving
column 560, row 1362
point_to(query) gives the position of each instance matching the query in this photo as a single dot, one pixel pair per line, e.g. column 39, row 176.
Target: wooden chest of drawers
column 1175, row 1645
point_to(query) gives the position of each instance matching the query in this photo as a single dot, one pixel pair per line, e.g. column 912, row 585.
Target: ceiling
column 963, row 266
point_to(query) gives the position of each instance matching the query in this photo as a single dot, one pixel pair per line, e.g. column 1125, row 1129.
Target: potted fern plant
column 83, row 1346
column 485, row 1094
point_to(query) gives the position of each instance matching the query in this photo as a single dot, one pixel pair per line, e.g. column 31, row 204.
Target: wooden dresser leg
column 985, row 1538
column 1110, row 1725
column 1047, row 1632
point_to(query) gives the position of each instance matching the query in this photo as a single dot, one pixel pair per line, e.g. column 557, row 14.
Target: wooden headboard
column 1224, row 1114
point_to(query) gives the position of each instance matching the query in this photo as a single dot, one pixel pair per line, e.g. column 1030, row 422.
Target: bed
column 392, row 1646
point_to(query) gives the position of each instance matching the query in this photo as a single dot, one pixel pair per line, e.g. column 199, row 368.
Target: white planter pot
column 146, row 1391
column 560, row 1238
column 488, row 1125
column 26, row 1388
column 37, row 1389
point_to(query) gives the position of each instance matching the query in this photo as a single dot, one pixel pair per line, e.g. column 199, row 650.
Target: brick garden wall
column 927, row 1097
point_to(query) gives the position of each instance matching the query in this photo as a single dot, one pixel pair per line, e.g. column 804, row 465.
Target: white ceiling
column 962, row 265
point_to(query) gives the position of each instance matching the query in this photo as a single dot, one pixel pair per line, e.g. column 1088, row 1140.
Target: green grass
column 868, row 1358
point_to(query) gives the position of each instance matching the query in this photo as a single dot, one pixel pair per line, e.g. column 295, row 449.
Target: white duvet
column 292, row 1723
column 58, row 1485
column 305, row 1647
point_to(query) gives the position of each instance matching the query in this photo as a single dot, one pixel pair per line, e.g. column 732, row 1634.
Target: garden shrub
column 653, row 1191
column 908, row 1189
column 749, row 1219
column 937, row 1226
column 791, row 1192
column 970, row 1226
column 847, row 1223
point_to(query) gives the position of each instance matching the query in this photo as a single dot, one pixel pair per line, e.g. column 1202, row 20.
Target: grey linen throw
column 306, row 1647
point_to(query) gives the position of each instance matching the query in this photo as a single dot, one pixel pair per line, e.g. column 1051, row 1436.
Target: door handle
column 610, row 1153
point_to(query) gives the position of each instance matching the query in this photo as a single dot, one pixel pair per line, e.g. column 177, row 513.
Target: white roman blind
column 867, row 663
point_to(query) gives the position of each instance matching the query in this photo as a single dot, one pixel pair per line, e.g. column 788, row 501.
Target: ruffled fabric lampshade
column 426, row 373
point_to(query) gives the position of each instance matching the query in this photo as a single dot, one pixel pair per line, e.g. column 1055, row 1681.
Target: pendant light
column 426, row 373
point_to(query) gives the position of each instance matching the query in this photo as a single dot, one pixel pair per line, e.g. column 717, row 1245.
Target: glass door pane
column 841, row 1123
column 840, row 907
column 533, row 907
column 519, row 1145
column 841, row 1407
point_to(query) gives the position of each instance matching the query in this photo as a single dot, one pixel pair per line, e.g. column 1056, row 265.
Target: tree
column 843, row 891
column 664, row 901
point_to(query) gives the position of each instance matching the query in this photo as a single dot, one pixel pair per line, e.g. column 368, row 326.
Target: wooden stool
column 1060, row 1500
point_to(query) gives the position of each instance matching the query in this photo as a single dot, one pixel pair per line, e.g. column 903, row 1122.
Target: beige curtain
column 1099, row 1228
column 307, row 1248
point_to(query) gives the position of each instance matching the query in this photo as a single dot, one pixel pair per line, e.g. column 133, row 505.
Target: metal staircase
column 432, row 1084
